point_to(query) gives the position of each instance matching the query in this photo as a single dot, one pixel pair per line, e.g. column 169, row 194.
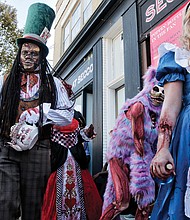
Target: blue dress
column 169, row 204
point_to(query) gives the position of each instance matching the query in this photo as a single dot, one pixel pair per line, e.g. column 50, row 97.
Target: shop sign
column 82, row 75
column 169, row 31
column 152, row 11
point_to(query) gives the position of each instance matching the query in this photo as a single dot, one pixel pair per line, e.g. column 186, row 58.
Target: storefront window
column 145, row 55
column 78, row 103
column 113, row 78
column 118, row 55
column 120, row 99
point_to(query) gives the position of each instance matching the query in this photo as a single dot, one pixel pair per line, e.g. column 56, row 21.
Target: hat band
column 34, row 37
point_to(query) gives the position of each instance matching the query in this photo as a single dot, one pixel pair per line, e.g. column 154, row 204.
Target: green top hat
column 38, row 24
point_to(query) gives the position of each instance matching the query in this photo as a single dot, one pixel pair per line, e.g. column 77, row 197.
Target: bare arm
column 170, row 111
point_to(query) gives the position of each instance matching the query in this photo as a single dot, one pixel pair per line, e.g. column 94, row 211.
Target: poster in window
column 170, row 30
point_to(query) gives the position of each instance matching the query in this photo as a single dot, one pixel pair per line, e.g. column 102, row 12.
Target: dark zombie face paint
column 29, row 56
column 157, row 95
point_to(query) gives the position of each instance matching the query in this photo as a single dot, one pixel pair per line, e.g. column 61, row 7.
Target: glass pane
column 78, row 103
column 86, row 2
column 118, row 56
column 75, row 30
column 120, row 99
column 66, row 38
column 87, row 13
column 66, row 43
column 76, row 15
column 67, row 30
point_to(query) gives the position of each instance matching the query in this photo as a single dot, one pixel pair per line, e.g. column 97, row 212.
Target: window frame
column 79, row 21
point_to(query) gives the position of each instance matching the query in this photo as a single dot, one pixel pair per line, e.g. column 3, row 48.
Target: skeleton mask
column 157, row 95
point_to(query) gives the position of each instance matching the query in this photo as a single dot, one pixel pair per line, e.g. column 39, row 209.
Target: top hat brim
column 42, row 46
column 38, row 24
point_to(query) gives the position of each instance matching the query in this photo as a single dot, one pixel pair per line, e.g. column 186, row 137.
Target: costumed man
column 71, row 192
column 31, row 101
column 131, row 148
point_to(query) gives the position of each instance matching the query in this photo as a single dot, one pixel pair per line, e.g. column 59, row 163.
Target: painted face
column 157, row 95
column 29, row 56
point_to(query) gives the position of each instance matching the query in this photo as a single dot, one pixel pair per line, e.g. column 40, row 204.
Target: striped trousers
column 23, row 178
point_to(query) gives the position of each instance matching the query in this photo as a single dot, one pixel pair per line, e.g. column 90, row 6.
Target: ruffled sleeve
column 169, row 69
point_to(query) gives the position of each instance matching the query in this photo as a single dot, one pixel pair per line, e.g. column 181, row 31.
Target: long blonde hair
column 186, row 28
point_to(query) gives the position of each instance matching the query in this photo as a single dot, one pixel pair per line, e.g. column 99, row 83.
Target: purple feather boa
column 122, row 146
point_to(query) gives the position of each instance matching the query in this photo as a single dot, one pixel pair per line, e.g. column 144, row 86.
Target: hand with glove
column 30, row 116
column 88, row 133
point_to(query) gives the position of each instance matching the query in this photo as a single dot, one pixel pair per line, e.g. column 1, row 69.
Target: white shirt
column 60, row 117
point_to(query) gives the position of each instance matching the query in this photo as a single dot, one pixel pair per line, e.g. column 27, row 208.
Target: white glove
column 30, row 116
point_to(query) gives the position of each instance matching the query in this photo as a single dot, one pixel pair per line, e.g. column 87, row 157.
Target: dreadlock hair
column 47, row 90
column 47, row 87
column 11, row 93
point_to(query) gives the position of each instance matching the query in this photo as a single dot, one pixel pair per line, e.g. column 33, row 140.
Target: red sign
column 168, row 31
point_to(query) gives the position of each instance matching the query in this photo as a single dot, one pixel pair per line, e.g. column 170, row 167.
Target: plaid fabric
column 67, row 140
column 23, row 178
